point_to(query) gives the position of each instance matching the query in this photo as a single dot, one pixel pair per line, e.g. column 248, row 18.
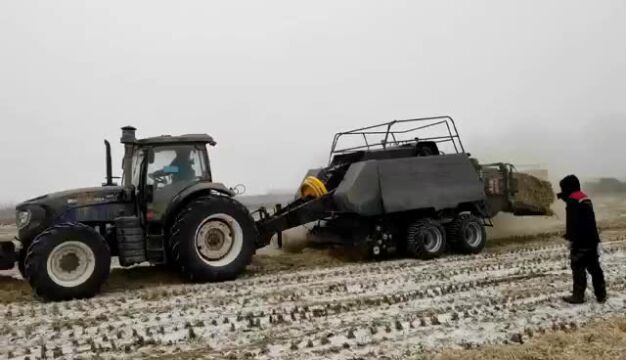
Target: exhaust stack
column 108, row 164
column 128, row 135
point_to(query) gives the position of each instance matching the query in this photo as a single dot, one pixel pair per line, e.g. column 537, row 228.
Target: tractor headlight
column 22, row 218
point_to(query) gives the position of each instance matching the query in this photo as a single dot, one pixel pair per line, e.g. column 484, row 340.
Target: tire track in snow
column 393, row 307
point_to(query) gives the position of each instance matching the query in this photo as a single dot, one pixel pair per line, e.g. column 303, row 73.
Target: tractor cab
column 157, row 169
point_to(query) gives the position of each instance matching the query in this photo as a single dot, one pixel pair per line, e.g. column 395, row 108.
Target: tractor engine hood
column 93, row 204
column 77, row 197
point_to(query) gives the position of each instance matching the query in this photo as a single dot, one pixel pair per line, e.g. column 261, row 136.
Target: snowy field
column 389, row 309
column 314, row 305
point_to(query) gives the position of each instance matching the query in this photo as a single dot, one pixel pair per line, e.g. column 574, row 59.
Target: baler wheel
column 426, row 239
column 467, row 234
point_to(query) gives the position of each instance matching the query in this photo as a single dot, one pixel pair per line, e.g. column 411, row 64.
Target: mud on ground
column 602, row 339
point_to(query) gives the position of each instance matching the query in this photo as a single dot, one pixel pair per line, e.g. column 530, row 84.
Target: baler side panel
column 430, row 182
column 359, row 191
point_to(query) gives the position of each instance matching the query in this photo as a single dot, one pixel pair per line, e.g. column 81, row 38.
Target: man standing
column 582, row 233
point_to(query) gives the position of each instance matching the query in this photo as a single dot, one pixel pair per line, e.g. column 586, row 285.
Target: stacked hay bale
column 534, row 196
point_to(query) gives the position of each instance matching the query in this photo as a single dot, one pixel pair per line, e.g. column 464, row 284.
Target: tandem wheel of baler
column 381, row 243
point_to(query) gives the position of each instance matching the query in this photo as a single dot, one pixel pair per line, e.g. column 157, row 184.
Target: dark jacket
column 581, row 229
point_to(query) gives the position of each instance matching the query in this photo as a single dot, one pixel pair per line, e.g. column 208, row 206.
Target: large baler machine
column 405, row 166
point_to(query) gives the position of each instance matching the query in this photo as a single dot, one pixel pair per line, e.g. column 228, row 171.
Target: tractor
column 167, row 210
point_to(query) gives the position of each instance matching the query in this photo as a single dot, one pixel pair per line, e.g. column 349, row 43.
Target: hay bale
column 534, row 196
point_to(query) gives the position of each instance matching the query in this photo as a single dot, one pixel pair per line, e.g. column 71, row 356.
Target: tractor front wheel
column 213, row 239
column 67, row 261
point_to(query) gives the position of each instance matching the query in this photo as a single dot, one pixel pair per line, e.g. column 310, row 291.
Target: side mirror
column 149, row 193
column 239, row 189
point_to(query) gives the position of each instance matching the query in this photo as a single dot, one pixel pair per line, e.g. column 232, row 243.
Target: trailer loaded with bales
column 405, row 187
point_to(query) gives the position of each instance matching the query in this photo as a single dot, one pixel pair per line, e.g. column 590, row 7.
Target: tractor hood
column 87, row 205
column 77, row 197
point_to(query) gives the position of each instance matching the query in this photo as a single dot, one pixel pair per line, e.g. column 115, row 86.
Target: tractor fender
column 192, row 192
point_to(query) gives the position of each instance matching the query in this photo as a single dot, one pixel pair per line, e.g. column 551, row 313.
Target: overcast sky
column 527, row 81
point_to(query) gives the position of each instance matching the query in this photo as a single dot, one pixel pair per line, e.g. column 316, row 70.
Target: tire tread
column 455, row 234
column 39, row 281
column 414, row 248
column 177, row 238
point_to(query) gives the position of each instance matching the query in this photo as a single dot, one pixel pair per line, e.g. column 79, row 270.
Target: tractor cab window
column 175, row 164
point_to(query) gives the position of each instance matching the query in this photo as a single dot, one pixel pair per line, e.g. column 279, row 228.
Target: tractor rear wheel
column 67, row 261
column 467, row 234
column 213, row 239
column 426, row 239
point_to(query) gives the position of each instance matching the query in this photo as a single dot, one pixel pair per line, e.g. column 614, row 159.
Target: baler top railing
column 392, row 137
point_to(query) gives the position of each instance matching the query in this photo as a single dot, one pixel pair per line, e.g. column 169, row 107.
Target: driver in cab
column 182, row 163
column 179, row 170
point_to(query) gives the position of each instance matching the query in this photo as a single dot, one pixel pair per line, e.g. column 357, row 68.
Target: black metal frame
column 507, row 169
column 390, row 139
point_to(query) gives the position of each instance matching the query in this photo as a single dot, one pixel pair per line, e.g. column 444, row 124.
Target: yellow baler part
column 312, row 187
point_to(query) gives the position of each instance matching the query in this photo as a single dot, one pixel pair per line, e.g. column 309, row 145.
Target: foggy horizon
column 272, row 82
